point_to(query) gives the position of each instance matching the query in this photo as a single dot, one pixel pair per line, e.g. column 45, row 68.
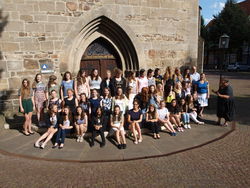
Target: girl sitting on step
column 52, row 121
column 64, row 127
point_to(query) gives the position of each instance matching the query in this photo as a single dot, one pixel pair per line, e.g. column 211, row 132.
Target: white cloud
column 218, row 5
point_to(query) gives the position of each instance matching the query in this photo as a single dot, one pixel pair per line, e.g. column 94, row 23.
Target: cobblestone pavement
column 225, row 163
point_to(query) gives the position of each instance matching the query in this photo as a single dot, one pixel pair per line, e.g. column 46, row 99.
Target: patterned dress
column 39, row 95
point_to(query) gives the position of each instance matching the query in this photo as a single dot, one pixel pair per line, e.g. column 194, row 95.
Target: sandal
column 25, row 133
column 31, row 133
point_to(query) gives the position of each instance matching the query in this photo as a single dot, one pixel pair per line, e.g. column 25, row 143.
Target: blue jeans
column 185, row 118
column 61, row 134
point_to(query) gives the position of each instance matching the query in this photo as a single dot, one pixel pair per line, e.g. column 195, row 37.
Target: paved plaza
column 223, row 163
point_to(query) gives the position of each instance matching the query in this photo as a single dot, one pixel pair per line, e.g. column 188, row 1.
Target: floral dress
column 39, row 95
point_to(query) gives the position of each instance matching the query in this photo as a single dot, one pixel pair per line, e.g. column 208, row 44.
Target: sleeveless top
column 170, row 98
column 53, row 121
column 83, row 89
column 151, row 81
column 142, row 82
column 132, row 84
column 67, row 85
column 95, row 84
column 202, row 88
column 66, row 123
column 57, row 102
column 71, row 103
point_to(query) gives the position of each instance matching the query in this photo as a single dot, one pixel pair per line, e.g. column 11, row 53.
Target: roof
column 245, row 6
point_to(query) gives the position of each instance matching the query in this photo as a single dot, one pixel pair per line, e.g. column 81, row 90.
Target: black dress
column 226, row 107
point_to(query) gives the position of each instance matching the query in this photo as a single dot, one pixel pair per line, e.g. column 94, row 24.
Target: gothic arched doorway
column 100, row 55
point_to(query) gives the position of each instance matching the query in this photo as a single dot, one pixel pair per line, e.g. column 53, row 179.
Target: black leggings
column 154, row 127
column 94, row 132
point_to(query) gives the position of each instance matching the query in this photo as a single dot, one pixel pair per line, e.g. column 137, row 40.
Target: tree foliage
column 233, row 22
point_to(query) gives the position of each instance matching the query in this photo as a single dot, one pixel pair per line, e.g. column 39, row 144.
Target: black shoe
column 124, row 146
column 102, row 145
column 91, row 144
column 119, row 146
column 54, row 146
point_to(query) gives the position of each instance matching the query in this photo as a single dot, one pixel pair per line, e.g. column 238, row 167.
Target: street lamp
column 223, row 44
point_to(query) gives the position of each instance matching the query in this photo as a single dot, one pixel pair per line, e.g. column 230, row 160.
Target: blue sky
column 212, row 7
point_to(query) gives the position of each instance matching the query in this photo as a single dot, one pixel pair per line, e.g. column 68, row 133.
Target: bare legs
column 46, row 137
column 136, row 127
column 120, row 136
column 27, row 124
column 80, row 131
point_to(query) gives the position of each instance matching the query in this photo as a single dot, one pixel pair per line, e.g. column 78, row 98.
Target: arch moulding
column 93, row 25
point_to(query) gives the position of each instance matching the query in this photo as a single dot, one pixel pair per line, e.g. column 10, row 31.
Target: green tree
column 232, row 21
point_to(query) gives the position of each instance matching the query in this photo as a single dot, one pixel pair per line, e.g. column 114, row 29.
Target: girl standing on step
column 70, row 101
column 40, row 91
column 142, row 81
column 52, row 85
column 64, row 127
column 81, row 123
column 52, row 122
column 117, row 125
column 82, row 84
column 67, row 83
column 95, row 81
column 132, row 82
column 152, row 121
column 202, row 87
column 26, row 102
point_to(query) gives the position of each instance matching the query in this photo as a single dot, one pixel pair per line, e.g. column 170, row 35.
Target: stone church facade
column 55, row 36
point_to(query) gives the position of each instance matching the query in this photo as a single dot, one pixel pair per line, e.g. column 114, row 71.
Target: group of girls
column 114, row 104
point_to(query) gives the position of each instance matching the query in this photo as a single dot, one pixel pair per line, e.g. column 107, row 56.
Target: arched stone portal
column 108, row 30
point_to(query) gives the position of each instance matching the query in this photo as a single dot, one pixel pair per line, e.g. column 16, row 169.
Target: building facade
column 55, row 36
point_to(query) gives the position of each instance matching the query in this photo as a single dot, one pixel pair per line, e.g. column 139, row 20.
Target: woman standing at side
column 26, row 102
column 225, row 103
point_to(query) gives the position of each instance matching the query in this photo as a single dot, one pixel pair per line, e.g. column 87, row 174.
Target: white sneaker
column 200, row 123
column 140, row 140
column 185, row 126
column 37, row 145
column 135, row 142
column 189, row 126
column 78, row 139
column 81, row 139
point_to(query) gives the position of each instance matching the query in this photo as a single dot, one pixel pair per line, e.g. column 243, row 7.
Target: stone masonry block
column 14, row 65
column 47, row 6
column 10, row 46
column 30, row 64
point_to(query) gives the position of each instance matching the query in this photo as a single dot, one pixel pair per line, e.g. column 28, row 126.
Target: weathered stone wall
column 164, row 32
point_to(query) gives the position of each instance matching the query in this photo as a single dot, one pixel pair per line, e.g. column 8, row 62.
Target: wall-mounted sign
column 46, row 69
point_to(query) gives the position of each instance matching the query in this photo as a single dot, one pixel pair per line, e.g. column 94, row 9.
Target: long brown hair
column 35, row 80
column 52, row 79
column 114, row 115
column 152, row 114
column 81, row 80
column 92, row 75
column 64, row 76
column 168, row 74
column 122, row 96
column 82, row 115
column 149, row 91
column 25, row 91
column 69, row 115
column 144, row 94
